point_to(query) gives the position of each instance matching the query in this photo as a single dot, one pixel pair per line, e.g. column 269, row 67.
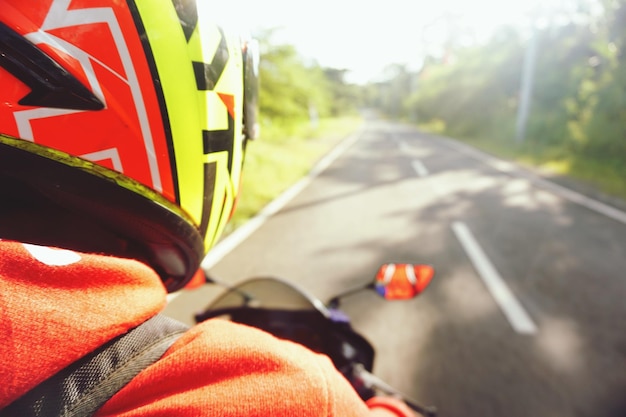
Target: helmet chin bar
column 47, row 202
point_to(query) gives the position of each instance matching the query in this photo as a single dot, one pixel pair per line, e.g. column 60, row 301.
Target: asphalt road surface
column 526, row 315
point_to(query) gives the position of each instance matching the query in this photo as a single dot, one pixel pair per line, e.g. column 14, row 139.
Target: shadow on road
column 563, row 262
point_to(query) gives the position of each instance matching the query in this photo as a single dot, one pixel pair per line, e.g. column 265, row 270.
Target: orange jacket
column 56, row 306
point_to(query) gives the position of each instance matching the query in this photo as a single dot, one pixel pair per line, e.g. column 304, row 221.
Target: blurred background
column 541, row 82
column 420, row 97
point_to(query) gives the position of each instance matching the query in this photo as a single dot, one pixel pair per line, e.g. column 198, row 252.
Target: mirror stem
column 334, row 302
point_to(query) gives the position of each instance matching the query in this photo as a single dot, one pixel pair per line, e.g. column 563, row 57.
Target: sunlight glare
column 365, row 37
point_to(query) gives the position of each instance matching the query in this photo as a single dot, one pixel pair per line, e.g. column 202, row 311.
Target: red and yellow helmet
column 123, row 126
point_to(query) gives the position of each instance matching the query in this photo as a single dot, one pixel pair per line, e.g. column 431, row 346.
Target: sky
column 364, row 37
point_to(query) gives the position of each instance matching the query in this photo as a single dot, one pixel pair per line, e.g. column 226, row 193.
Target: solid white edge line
column 230, row 242
column 511, row 169
column 510, row 306
column 243, row 232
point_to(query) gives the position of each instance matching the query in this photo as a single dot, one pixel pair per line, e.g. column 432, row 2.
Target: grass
column 277, row 160
column 608, row 175
column 605, row 175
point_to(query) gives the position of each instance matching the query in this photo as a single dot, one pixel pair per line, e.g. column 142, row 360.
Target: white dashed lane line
column 419, row 167
column 510, row 306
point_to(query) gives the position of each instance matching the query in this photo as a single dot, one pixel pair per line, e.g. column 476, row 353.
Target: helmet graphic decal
column 220, row 140
column 107, row 154
column 95, row 60
column 206, row 124
column 207, row 75
column 51, row 85
column 187, row 13
column 210, row 174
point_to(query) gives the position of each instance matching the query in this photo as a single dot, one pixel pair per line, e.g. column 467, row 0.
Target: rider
column 123, row 127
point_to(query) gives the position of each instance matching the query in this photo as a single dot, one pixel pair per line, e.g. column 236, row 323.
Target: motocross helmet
column 123, row 127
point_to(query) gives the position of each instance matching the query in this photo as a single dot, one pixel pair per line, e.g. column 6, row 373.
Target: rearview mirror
column 402, row 281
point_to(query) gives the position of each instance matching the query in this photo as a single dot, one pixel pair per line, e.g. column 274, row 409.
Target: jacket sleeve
column 219, row 368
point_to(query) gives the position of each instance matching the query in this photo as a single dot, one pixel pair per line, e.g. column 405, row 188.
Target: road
column 526, row 314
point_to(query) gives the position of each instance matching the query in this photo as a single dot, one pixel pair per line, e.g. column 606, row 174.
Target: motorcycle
column 289, row 312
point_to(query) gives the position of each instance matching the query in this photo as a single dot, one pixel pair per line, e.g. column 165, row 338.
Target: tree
column 292, row 90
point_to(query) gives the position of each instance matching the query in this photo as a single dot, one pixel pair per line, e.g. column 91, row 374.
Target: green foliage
column 275, row 162
column 293, row 91
column 472, row 96
column 288, row 88
column 344, row 97
column 304, row 110
column 605, row 127
column 577, row 118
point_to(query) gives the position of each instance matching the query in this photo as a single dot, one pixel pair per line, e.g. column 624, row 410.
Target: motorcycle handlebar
column 371, row 381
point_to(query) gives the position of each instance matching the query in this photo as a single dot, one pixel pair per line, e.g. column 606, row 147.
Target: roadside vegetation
column 304, row 110
column 576, row 124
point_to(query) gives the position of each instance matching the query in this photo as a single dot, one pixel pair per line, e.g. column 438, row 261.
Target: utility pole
column 526, row 86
